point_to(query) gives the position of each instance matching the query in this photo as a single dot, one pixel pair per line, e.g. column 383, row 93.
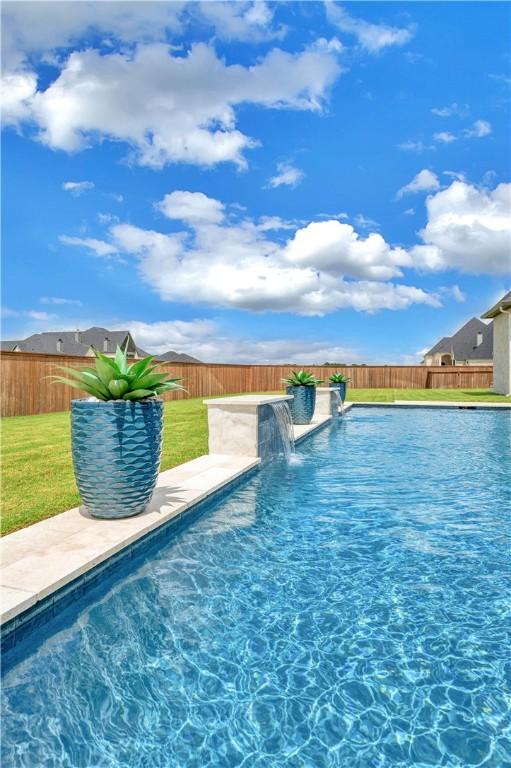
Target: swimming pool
column 349, row 609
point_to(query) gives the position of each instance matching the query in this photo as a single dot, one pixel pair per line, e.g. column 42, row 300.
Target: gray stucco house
column 471, row 345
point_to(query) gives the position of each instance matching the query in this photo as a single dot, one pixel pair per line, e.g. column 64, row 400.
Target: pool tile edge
column 30, row 581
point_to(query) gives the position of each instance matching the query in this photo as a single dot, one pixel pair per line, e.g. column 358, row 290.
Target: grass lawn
column 37, row 474
column 388, row 395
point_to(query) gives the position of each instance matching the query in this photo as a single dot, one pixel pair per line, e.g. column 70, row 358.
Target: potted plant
column 116, row 434
column 339, row 381
column 302, row 385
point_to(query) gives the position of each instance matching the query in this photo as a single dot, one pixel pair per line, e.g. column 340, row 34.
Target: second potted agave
column 116, row 435
column 302, row 385
column 339, row 381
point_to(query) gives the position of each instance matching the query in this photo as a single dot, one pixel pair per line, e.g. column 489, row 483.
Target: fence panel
column 25, row 386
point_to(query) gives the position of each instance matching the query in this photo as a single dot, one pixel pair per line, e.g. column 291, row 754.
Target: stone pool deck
column 45, row 557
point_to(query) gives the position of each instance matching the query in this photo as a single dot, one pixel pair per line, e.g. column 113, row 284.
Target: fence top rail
column 56, row 357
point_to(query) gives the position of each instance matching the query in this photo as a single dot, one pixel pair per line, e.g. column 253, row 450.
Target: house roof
column 92, row 337
column 463, row 344
column 8, row 346
column 177, row 357
column 169, row 357
column 502, row 305
column 444, row 345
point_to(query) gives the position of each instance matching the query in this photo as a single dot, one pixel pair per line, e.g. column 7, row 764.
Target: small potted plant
column 302, row 385
column 116, row 434
column 339, row 381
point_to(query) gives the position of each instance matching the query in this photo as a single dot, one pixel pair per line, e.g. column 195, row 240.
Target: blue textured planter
column 116, row 454
column 341, row 386
column 302, row 404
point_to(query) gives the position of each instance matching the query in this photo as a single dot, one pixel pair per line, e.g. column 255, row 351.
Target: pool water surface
column 351, row 608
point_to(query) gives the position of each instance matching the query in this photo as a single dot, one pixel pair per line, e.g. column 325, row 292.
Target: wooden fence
column 26, row 389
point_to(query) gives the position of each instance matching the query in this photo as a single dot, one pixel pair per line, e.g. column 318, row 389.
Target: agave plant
column 115, row 379
column 302, row 379
column 339, row 378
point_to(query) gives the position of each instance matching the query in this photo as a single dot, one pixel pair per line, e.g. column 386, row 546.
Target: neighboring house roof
column 463, row 344
column 169, row 357
column 92, row 337
column 177, row 357
column 8, row 346
column 441, row 346
column 503, row 305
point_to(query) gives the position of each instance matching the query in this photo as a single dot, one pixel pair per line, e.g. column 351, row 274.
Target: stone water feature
column 250, row 425
column 280, row 434
column 327, row 402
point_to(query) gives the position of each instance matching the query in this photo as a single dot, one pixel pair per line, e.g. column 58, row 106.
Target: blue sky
column 256, row 182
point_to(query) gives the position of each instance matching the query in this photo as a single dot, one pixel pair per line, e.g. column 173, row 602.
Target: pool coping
column 45, row 562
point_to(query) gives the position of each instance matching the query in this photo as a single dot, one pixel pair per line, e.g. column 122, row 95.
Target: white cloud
column 409, row 212
column 506, row 79
column 455, row 175
column 169, row 107
column 336, row 249
column 275, row 223
column 246, row 21
column 479, row 129
column 286, row 175
column 33, row 314
column 365, row 222
column 37, row 315
column 458, row 293
column 372, row 37
column 107, row 218
column 461, row 110
column 206, row 341
column 414, row 146
column 77, row 188
column 18, row 88
column 99, row 247
column 444, row 137
column 324, row 266
column 192, row 207
column 59, row 301
column 424, row 181
column 467, row 229
column 42, row 27
column 116, row 196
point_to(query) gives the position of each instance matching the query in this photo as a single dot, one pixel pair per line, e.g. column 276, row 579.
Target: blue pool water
column 351, row 609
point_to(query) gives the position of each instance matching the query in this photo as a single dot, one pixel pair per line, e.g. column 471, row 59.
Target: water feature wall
column 326, row 402
column 247, row 425
column 338, row 404
column 276, row 436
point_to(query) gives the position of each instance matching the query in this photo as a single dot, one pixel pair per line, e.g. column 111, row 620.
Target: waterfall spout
column 285, row 442
column 338, row 407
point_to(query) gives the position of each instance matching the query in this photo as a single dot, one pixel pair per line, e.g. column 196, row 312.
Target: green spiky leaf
column 138, row 394
column 118, row 387
column 302, row 379
column 80, row 385
column 120, row 360
column 138, row 368
column 339, row 378
column 113, row 379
